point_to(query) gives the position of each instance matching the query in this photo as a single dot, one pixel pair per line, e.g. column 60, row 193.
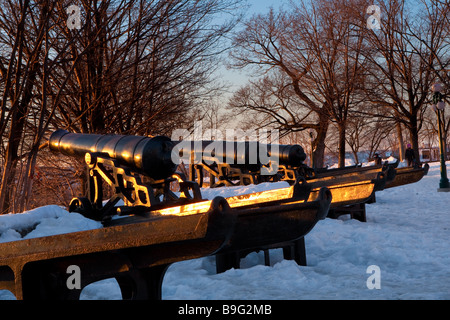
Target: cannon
column 244, row 163
column 232, row 163
column 139, row 170
column 150, row 156
column 349, row 186
column 348, row 190
column 408, row 175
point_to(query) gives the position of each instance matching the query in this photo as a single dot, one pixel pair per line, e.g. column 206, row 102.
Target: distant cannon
column 238, row 162
column 351, row 188
column 241, row 153
column 408, row 175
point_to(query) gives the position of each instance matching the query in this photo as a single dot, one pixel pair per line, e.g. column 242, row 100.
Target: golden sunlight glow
column 234, row 202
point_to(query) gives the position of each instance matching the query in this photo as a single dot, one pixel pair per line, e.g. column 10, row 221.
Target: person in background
column 410, row 157
column 377, row 159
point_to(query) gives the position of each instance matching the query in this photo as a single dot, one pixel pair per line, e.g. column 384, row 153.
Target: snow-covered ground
column 406, row 237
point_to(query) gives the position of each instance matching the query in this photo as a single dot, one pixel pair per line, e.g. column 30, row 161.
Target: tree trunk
column 28, row 180
column 7, row 182
column 355, row 155
column 12, row 149
column 319, row 143
column 401, row 144
column 414, row 133
column 341, row 146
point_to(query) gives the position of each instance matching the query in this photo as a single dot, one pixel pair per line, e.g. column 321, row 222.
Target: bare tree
column 367, row 134
column 271, row 102
column 401, row 76
column 137, row 67
column 24, row 27
column 317, row 47
column 148, row 64
column 434, row 34
column 262, row 44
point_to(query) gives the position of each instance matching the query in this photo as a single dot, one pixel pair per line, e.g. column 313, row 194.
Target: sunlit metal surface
column 24, row 264
column 348, row 193
column 407, row 176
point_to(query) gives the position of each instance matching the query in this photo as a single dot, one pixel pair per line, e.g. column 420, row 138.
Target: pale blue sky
column 262, row 6
column 238, row 78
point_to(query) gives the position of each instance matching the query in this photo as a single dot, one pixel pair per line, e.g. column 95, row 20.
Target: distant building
column 429, row 153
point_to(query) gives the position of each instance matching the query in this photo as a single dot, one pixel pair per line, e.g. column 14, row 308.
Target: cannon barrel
column 242, row 154
column 150, row 156
column 154, row 156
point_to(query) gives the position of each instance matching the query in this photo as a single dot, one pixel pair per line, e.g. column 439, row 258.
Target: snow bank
column 351, row 162
column 41, row 222
column 406, row 236
column 348, row 163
